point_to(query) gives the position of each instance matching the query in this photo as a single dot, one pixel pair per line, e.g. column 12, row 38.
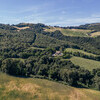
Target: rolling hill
column 15, row 88
column 70, row 32
column 75, row 31
column 26, row 50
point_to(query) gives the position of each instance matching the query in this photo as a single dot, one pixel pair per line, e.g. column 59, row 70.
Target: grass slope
column 95, row 34
column 86, row 63
column 70, row 32
column 74, row 32
column 81, row 51
column 14, row 88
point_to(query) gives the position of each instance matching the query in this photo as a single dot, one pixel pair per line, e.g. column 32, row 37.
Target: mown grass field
column 86, row 63
column 14, row 88
column 74, row 32
column 70, row 32
column 80, row 51
column 95, row 34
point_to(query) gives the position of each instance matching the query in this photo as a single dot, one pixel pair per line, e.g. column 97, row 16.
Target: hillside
column 76, row 31
column 70, row 32
column 93, row 26
column 50, row 50
column 14, row 88
column 27, row 50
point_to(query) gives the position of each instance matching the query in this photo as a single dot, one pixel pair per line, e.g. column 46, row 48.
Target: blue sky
column 50, row 12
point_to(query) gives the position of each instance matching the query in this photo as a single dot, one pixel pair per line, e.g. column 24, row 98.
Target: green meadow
column 80, row 51
column 86, row 63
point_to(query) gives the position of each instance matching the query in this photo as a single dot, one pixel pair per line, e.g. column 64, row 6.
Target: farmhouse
column 58, row 53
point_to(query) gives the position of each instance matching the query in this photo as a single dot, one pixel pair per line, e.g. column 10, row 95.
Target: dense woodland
column 28, row 53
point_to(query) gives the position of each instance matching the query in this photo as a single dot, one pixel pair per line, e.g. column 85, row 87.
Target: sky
column 50, row 12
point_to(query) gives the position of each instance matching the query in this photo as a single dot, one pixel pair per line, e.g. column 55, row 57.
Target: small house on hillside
column 58, row 53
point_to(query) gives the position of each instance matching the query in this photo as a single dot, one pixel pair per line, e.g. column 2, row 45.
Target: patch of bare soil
column 21, row 28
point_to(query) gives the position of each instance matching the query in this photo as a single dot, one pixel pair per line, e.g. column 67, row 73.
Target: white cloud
column 96, row 15
column 43, row 17
column 49, row 20
column 77, row 21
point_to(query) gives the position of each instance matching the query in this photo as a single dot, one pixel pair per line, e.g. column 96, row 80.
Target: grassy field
column 95, row 34
column 86, row 63
column 70, row 32
column 75, row 32
column 81, row 51
column 14, row 88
